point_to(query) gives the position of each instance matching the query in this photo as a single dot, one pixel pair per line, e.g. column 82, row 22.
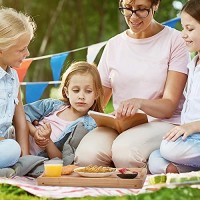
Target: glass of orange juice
column 53, row 168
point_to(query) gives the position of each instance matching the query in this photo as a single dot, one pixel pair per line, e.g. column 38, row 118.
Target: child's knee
column 153, row 162
column 15, row 151
column 157, row 164
column 11, row 155
column 168, row 150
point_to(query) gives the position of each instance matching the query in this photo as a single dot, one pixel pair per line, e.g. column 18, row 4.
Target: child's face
column 190, row 32
column 81, row 92
column 14, row 55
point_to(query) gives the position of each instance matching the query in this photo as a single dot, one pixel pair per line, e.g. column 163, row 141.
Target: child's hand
column 178, row 131
column 45, row 130
column 41, row 141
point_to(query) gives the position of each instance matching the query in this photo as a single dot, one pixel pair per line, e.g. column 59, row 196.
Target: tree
column 64, row 25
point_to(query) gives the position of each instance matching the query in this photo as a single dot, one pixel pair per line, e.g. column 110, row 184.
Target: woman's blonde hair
column 13, row 24
column 83, row 67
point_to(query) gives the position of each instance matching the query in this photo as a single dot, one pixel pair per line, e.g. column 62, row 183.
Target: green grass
column 109, row 108
column 9, row 192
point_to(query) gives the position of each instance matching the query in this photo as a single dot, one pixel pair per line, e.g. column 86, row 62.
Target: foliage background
column 64, row 25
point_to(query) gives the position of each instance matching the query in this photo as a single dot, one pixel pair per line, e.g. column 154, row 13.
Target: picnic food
column 157, row 179
column 126, row 173
column 95, row 169
column 174, row 178
column 66, row 170
column 183, row 177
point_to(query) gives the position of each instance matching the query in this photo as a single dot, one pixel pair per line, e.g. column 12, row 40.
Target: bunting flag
column 21, row 71
column 172, row 23
column 57, row 62
column 34, row 91
column 93, row 50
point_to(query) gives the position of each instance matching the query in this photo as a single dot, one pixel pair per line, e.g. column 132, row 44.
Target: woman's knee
column 125, row 155
column 11, row 151
column 95, row 148
column 133, row 147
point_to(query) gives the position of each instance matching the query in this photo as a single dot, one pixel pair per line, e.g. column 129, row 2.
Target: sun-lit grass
column 9, row 192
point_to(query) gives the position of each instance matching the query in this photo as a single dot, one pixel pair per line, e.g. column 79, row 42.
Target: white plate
column 92, row 174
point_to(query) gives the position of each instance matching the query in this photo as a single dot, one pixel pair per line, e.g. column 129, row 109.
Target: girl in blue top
column 82, row 91
column 180, row 149
column 16, row 32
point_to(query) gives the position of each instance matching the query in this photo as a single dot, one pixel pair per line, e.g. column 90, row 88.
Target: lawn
column 9, row 192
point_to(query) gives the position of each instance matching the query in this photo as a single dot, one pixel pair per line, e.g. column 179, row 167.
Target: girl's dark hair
column 192, row 8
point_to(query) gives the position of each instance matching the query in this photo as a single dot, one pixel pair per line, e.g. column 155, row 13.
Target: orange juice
column 53, row 169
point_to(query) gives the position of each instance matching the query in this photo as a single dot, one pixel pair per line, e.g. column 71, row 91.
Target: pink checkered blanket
column 29, row 184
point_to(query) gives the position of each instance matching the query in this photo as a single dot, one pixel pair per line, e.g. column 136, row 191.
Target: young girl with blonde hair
column 81, row 91
column 16, row 32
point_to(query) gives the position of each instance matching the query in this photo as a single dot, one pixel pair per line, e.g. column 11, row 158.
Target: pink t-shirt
column 57, row 126
column 137, row 68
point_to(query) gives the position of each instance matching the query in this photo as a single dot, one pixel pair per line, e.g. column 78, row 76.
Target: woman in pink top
column 140, row 69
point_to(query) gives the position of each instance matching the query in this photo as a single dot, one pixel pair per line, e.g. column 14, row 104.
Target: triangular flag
column 34, row 91
column 93, row 50
column 172, row 23
column 57, row 64
column 21, row 71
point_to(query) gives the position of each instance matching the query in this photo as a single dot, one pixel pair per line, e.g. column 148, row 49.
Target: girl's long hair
column 83, row 67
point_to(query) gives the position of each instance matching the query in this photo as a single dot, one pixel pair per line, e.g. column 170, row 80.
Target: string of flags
column 34, row 90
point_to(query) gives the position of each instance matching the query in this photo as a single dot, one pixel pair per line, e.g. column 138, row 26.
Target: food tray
column 113, row 181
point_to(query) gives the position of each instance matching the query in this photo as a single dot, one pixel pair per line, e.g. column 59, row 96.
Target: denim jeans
column 184, row 154
column 10, row 152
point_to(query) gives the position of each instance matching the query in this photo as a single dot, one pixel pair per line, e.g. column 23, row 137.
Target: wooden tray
column 113, row 181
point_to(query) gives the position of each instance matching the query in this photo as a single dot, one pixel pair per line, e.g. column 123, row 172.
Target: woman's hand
column 184, row 130
column 128, row 108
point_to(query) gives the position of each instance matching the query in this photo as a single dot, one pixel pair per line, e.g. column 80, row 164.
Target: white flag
column 93, row 50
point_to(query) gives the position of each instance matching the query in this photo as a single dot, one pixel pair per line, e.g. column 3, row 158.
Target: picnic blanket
column 29, row 184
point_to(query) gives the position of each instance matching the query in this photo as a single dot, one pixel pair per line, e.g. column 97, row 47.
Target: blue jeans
column 184, row 154
column 10, row 152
